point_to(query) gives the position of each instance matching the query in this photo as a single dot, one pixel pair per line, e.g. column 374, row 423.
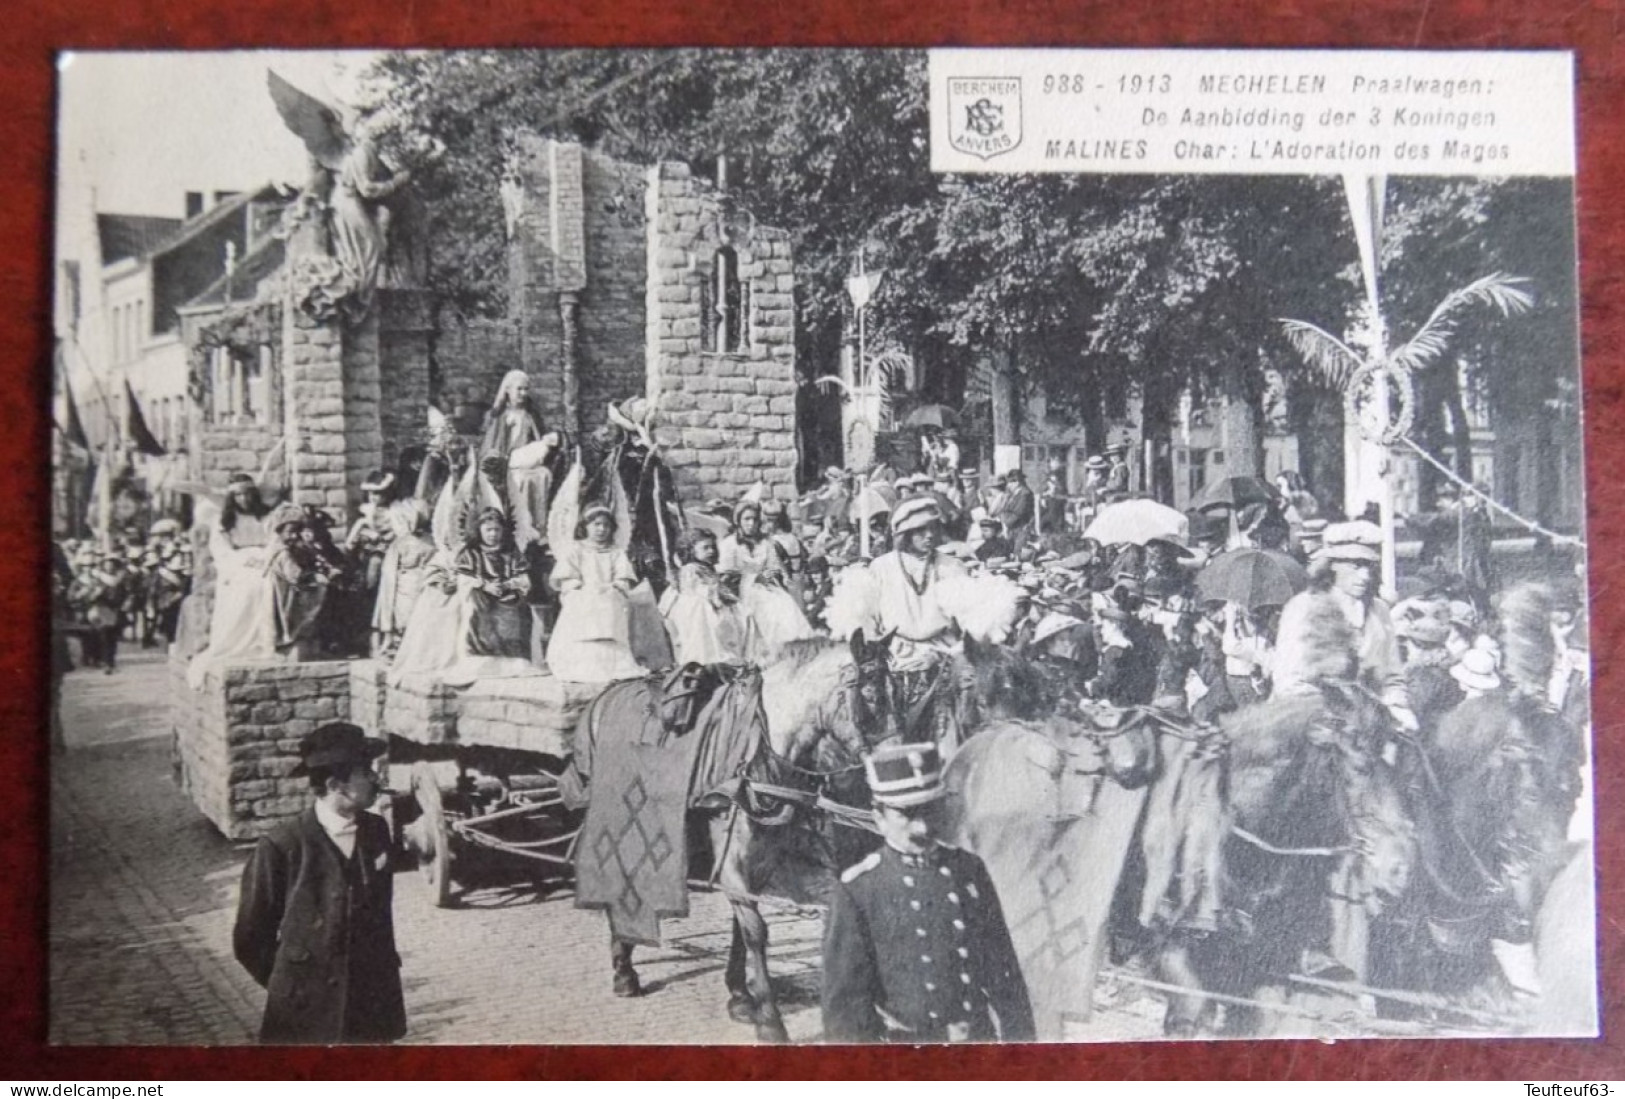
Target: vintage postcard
column 728, row 546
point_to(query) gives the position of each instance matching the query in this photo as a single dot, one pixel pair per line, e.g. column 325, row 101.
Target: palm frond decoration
column 893, row 373
column 1506, row 294
column 1328, row 356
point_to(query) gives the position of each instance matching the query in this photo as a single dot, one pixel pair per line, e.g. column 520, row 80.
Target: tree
column 1086, row 287
column 823, row 143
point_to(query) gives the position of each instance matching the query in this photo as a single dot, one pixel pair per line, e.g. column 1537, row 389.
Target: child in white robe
column 592, row 641
column 703, row 620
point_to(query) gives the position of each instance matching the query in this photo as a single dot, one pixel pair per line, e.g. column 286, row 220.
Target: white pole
column 862, row 373
column 1365, row 196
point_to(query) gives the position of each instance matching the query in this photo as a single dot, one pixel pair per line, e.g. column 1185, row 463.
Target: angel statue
column 377, row 220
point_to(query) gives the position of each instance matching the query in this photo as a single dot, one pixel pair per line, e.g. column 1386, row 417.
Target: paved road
column 143, row 891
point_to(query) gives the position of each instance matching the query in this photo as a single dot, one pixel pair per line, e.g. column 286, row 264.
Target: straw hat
column 1477, row 671
column 1358, row 540
column 915, row 514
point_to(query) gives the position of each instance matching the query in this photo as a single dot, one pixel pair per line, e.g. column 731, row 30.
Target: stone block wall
column 315, row 400
column 608, row 265
column 472, row 357
column 361, row 434
column 405, row 345
column 728, row 419
column 237, row 739
column 223, row 450
column 535, row 713
column 368, row 689
column 542, row 198
column 420, row 709
column 610, row 325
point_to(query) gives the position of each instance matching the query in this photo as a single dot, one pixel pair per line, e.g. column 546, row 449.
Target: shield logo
column 984, row 114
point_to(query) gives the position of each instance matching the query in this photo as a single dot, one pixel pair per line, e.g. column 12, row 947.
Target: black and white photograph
column 729, row 546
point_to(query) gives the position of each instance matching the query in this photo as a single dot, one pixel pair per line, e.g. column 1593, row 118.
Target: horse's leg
column 753, row 930
column 626, row 978
column 740, row 1007
column 1175, row 966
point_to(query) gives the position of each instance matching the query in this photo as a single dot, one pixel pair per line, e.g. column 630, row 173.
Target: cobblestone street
column 143, row 892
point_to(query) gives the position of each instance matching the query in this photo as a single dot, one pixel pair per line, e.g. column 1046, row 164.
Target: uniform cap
column 905, row 775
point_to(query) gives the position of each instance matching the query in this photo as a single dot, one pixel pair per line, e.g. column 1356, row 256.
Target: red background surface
column 31, row 35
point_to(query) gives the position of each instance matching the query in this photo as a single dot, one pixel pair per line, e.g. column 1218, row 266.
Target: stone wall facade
column 471, row 357
column 227, row 449
column 546, row 259
column 610, row 330
column 728, row 417
column 406, row 336
column 535, row 713
column 612, row 268
column 421, row 709
column 237, row 739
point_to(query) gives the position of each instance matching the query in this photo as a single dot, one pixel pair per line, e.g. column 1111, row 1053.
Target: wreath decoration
column 1360, row 393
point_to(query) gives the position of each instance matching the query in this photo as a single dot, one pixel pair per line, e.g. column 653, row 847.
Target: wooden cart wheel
column 433, row 836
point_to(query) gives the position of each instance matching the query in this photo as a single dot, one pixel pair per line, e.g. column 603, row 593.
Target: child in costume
column 593, row 576
column 701, row 613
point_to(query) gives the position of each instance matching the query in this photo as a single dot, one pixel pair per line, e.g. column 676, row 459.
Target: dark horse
column 1492, row 790
column 1302, row 841
column 794, row 809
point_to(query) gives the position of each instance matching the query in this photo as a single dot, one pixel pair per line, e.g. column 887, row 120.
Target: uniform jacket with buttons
column 317, row 931
column 917, row 950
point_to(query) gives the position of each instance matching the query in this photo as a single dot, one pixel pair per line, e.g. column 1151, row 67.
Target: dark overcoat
column 317, row 931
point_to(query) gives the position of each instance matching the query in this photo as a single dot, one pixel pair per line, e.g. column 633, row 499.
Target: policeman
column 916, row 948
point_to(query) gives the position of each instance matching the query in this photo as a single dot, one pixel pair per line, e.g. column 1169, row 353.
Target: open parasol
column 1234, row 493
column 932, row 415
column 1136, row 522
column 1251, row 578
column 869, row 502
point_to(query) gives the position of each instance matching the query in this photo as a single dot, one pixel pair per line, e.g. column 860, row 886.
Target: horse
column 794, row 740
column 1491, row 789
column 1301, row 838
column 1048, row 795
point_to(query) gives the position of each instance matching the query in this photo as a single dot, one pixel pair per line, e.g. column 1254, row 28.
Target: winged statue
column 376, row 219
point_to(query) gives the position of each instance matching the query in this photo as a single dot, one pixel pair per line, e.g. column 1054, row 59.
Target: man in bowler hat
column 315, row 925
column 916, row 948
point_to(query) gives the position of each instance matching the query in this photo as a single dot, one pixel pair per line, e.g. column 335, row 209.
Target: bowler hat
column 336, row 744
column 904, row 775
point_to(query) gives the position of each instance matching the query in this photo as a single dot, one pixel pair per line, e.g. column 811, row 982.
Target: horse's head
column 1128, row 750
column 1009, row 684
column 870, row 695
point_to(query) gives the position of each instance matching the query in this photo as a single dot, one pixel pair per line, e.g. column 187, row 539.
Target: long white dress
column 432, row 640
column 241, row 624
column 592, row 641
column 773, row 617
column 703, row 629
